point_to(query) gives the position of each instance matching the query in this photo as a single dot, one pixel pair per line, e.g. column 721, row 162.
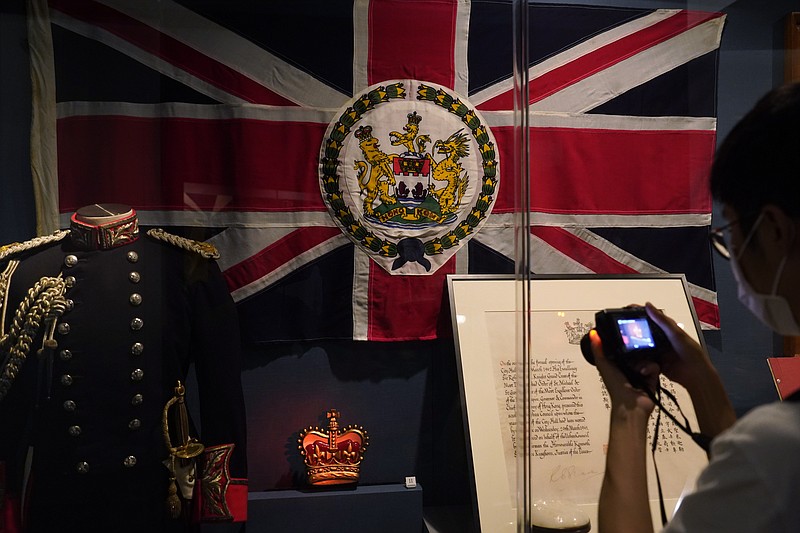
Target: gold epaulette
column 15, row 248
column 205, row 249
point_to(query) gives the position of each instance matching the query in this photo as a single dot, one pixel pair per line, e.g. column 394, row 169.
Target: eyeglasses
column 718, row 241
column 717, row 235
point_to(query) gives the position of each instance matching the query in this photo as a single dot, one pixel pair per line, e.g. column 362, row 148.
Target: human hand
column 624, row 395
column 687, row 362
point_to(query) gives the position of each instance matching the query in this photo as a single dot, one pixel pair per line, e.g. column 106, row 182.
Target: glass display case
column 619, row 107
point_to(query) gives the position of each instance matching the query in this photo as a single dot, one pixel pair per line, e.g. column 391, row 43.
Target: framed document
column 569, row 404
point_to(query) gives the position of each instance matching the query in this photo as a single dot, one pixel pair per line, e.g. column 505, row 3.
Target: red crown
column 333, row 457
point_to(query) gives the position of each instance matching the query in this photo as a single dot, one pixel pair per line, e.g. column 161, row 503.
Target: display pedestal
column 384, row 508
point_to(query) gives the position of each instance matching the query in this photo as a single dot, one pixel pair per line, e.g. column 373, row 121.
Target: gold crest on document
column 333, row 457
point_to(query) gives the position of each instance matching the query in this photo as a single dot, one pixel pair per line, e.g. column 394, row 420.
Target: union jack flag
column 211, row 114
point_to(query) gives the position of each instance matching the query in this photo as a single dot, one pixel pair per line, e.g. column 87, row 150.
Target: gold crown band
column 102, row 237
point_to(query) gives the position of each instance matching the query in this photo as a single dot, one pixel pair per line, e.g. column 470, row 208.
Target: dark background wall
column 16, row 189
column 406, row 394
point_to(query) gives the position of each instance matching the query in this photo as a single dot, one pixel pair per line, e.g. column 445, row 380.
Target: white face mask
column 771, row 309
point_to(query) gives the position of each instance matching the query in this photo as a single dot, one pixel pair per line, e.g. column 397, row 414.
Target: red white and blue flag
column 211, row 116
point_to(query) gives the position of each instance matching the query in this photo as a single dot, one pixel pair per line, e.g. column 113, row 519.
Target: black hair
column 758, row 163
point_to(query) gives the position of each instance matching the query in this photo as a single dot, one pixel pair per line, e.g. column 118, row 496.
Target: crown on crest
column 333, row 457
column 414, row 118
column 576, row 330
column 412, row 166
column 363, row 133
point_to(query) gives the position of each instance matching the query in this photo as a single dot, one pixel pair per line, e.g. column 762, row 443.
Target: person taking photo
column 752, row 481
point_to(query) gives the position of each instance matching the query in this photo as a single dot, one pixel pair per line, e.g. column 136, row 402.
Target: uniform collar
column 103, row 236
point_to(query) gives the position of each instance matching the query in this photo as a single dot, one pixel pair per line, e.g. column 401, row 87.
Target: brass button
column 63, row 328
column 136, row 324
column 69, row 304
column 135, row 424
column 137, row 375
column 134, row 277
column 129, row 461
column 137, row 348
column 71, row 260
column 82, row 467
column 69, row 281
column 65, row 355
column 137, row 399
column 74, row 431
column 66, row 380
column 135, row 299
column 69, row 406
column 132, row 256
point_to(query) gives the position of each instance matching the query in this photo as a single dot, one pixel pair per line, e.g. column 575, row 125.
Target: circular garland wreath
column 342, row 128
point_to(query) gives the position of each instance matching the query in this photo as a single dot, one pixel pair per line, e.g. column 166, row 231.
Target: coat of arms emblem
column 409, row 172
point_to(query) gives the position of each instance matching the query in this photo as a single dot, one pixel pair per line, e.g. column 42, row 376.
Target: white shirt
column 752, row 483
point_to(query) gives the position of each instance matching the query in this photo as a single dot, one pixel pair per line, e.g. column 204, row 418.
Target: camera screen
column 635, row 334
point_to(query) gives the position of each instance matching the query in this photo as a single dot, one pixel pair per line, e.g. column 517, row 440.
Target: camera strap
column 701, row 440
column 640, row 383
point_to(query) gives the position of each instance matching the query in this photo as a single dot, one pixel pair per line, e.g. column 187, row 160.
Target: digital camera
column 628, row 335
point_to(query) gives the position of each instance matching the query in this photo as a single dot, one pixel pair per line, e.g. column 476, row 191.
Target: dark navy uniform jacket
column 91, row 409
